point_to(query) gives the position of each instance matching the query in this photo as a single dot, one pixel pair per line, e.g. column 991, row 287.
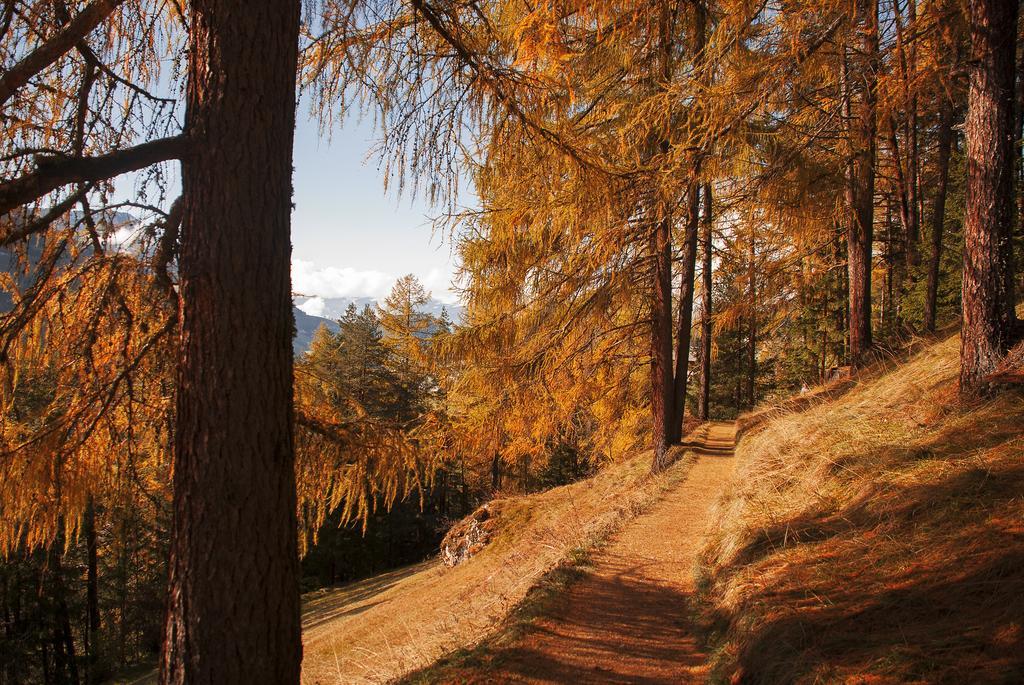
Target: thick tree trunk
column 945, row 144
column 988, row 316
column 233, row 606
column 704, row 401
column 861, row 180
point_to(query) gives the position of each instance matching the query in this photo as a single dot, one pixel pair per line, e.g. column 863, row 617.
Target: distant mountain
column 305, row 327
column 23, row 279
column 334, row 307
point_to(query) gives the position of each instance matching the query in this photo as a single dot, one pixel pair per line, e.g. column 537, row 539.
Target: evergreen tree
column 406, row 331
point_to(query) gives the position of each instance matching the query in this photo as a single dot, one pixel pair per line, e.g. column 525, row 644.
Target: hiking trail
column 626, row 620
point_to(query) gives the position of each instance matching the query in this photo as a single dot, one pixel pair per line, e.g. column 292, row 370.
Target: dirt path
column 625, row 621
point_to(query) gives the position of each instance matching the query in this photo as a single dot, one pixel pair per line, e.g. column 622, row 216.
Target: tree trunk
column 122, row 591
column 681, row 375
column 65, row 662
column 464, row 487
column 496, row 472
column 945, row 144
column 889, row 315
column 1018, row 133
column 661, row 286
column 661, row 343
column 442, row 490
column 752, row 337
column 92, row 602
column 988, row 316
column 908, row 66
column 233, row 606
column 907, row 239
column 824, row 355
column 685, row 322
column 704, row 401
column 861, row 179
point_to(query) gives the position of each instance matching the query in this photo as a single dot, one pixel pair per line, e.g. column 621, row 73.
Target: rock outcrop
column 470, row 535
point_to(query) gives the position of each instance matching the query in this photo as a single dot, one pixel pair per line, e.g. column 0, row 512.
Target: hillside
column 305, row 327
column 865, row 532
column 874, row 537
column 381, row 628
column 872, row 533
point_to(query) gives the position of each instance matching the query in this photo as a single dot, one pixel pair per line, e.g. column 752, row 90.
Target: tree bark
column 681, row 374
column 684, row 328
column 704, row 401
column 661, row 342
column 908, row 222
column 92, row 599
column 233, row 606
column 861, row 179
column 63, row 639
column 752, row 337
column 908, row 67
column 661, row 287
column 1019, row 146
column 988, row 316
column 496, row 472
column 945, row 144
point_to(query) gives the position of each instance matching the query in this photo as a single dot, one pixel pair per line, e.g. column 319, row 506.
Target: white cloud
column 314, row 306
column 324, row 283
column 332, row 281
column 439, row 283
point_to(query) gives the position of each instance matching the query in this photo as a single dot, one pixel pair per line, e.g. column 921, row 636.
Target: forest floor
column 627, row 618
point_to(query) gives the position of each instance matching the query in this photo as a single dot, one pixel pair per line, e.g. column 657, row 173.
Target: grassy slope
column 379, row 629
column 875, row 537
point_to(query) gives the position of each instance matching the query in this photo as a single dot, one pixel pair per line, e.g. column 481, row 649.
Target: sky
column 349, row 237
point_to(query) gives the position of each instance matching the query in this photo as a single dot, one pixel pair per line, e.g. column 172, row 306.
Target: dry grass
column 877, row 536
column 388, row 626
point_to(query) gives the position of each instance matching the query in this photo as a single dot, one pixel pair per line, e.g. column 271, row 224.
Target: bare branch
column 53, row 172
column 14, row 232
column 56, row 47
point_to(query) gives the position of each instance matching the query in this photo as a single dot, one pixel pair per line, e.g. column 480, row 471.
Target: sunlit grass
column 875, row 537
column 415, row 618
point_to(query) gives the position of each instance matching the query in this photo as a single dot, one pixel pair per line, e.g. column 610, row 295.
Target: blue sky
column 349, row 237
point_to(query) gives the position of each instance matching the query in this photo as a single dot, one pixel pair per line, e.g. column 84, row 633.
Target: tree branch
column 53, row 172
column 15, row 232
column 488, row 78
column 56, row 47
column 165, row 249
